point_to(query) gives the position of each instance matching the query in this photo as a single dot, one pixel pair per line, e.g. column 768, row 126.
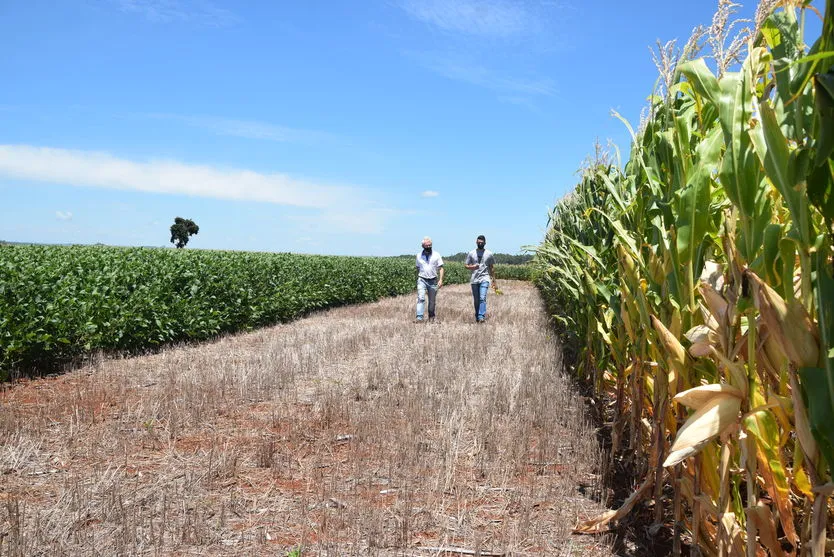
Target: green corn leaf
column 787, row 252
column 693, row 221
column 772, row 263
column 772, row 149
column 820, row 410
column 702, row 80
column 824, row 98
column 821, row 188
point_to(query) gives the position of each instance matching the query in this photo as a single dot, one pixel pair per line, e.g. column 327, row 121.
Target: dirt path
column 352, row 432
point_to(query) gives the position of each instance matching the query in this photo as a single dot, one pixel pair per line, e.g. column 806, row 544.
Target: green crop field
column 58, row 303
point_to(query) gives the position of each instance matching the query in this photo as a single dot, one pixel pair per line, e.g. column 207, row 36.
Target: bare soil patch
column 354, row 431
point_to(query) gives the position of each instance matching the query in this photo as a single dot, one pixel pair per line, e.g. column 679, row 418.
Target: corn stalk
column 696, row 285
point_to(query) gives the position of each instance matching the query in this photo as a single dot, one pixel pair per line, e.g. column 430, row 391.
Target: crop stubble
column 351, row 432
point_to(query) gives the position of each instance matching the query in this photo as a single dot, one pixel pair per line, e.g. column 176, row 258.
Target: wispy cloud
column 430, row 193
column 522, row 101
column 63, row 215
column 491, row 18
column 487, row 42
column 475, row 74
column 346, row 208
column 251, row 129
column 201, row 12
column 368, row 221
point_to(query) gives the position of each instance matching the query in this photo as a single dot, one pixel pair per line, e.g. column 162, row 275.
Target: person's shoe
column 418, row 320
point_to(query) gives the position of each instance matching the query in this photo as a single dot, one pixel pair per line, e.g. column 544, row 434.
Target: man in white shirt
column 429, row 278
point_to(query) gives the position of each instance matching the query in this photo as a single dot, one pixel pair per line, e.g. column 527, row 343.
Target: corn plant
column 697, row 285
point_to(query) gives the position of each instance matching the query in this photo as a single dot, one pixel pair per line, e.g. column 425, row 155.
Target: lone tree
column 181, row 231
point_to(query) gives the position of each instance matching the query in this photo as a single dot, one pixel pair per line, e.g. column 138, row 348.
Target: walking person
column 429, row 278
column 481, row 262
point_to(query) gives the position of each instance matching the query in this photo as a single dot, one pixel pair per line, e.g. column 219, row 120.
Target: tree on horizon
column 182, row 230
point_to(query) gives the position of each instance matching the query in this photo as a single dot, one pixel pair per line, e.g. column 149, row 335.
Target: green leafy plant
column 695, row 285
column 59, row 303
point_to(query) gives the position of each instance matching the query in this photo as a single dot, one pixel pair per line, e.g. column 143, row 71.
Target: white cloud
column 344, row 208
column 430, row 193
column 493, row 18
column 475, row 74
column 369, row 221
column 63, row 215
column 251, row 129
column 201, row 12
column 522, row 101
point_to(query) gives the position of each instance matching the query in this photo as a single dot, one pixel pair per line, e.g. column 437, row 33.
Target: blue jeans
column 426, row 286
column 479, row 295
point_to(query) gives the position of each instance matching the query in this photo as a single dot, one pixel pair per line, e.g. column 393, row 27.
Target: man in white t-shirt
column 429, row 278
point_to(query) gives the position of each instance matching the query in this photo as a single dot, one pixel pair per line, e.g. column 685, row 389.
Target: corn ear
column 714, row 417
column 701, row 338
column 675, row 353
column 697, row 397
column 788, row 321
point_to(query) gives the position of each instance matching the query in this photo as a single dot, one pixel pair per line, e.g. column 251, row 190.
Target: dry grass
column 351, row 432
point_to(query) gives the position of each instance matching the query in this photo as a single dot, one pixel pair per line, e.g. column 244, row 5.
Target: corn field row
column 697, row 284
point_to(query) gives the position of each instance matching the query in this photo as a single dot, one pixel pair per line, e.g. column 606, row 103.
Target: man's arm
column 469, row 264
column 440, row 272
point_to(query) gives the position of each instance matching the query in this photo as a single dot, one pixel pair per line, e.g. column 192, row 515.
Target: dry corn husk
column 697, row 397
column 716, row 303
column 702, row 338
column 675, row 353
column 713, row 274
column 787, row 322
column 717, row 407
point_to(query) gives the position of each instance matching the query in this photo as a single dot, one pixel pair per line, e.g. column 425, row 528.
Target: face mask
column 427, row 250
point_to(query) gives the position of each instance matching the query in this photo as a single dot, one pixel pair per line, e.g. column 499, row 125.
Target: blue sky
column 341, row 127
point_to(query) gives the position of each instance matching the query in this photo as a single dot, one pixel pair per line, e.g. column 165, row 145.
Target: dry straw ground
column 352, row 432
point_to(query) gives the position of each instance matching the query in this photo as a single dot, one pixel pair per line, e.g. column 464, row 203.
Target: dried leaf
column 788, row 322
column 763, row 519
column 600, row 523
column 763, row 427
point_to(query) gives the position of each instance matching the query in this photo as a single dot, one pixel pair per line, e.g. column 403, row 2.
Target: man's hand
column 439, row 284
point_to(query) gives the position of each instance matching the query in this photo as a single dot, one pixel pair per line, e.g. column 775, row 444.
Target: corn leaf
column 763, row 427
column 693, row 222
